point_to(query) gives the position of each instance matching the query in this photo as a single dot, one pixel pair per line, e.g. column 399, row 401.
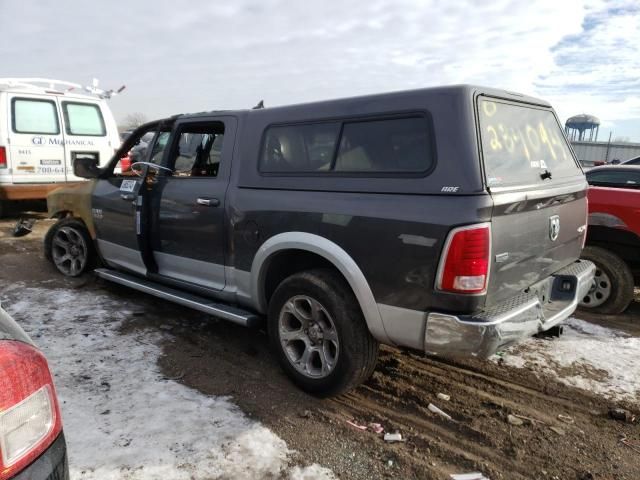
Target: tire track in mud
column 479, row 437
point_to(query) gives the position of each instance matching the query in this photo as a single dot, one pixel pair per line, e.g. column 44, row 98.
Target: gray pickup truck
column 448, row 220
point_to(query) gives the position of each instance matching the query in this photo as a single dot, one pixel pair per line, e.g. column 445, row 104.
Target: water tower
column 582, row 127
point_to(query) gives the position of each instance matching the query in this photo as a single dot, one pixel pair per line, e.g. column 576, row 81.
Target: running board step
column 226, row 312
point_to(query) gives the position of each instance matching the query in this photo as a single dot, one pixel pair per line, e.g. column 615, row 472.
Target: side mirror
column 85, row 165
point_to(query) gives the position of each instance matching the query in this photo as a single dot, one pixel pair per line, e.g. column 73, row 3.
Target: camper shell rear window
column 522, row 144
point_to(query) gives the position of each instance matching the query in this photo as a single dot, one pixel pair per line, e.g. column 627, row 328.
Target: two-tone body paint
column 392, row 229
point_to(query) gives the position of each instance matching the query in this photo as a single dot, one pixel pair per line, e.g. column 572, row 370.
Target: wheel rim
column 69, row 251
column 600, row 290
column 308, row 337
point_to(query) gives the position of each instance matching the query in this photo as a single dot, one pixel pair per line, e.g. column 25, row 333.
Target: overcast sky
column 184, row 56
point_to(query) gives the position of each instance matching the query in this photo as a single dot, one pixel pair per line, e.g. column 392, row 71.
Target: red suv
column 613, row 237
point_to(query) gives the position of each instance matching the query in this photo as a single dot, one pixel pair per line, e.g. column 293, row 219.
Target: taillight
column 29, row 412
column 464, row 266
column 3, row 157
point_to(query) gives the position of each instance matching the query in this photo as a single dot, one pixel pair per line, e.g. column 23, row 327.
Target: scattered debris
column 633, row 446
column 376, row 427
column 513, row 420
column 394, row 437
column 389, row 463
column 23, row 227
column 468, row 476
column 622, row 415
column 566, row 419
column 557, row 430
column 355, row 425
column 444, row 396
column 305, row 414
column 434, row 409
column 529, row 419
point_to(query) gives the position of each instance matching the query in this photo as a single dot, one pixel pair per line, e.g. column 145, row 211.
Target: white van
column 44, row 125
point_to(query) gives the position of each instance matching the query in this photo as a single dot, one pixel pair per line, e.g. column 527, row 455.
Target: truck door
column 118, row 202
column 86, row 133
column 188, row 206
column 36, row 141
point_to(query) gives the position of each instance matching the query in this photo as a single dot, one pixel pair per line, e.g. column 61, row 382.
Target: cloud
column 598, row 70
column 178, row 56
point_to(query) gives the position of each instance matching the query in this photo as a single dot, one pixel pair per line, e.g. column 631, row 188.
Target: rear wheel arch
column 325, row 253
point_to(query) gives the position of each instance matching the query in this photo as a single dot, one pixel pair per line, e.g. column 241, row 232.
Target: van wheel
column 612, row 289
column 69, row 247
column 319, row 334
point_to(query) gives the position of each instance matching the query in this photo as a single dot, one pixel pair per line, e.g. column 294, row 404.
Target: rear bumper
column 544, row 306
column 28, row 191
column 51, row 465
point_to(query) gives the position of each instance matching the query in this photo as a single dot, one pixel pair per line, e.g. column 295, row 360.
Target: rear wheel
column 319, row 334
column 612, row 289
column 69, row 247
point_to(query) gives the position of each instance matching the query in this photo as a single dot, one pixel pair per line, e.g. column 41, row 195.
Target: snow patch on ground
column 587, row 356
column 122, row 418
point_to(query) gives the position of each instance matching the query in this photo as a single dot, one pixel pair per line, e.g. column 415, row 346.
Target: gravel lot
column 189, row 396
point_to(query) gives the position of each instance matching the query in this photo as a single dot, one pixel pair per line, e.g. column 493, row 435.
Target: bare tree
column 133, row 120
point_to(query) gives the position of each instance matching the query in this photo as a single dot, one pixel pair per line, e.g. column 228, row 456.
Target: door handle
column 208, row 202
column 127, row 196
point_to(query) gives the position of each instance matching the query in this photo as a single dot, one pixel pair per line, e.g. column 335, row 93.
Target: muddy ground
column 218, row 358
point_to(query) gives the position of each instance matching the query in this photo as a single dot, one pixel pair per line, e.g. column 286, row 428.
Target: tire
column 69, row 247
column 613, row 286
column 342, row 353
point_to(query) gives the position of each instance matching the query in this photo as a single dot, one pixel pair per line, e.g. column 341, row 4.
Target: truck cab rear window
column 396, row 145
column 521, row 143
column 83, row 119
column 35, row 116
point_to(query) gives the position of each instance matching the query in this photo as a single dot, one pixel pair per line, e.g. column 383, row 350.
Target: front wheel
column 69, row 247
column 319, row 334
column 612, row 289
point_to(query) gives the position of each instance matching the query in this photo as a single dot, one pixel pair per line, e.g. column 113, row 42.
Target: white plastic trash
column 393, row 437
column 468, row 476
column 435, row 409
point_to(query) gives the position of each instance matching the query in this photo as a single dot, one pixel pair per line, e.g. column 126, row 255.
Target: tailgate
column 539, row 193
column 533, row 236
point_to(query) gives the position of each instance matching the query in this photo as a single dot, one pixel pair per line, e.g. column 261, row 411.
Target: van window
column 520, row 143
column 83, row 119
column 399, row 145
column 35, row 116
column 394, row 145
column 299, row 148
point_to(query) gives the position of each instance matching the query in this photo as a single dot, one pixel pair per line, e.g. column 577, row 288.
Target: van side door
column 86, row 133
column 36, row 140
column 188, row 228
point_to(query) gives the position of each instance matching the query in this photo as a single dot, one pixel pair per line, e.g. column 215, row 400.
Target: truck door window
column 83, row 119
column 198, row 150
column 146, row 148
column 35, row 116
